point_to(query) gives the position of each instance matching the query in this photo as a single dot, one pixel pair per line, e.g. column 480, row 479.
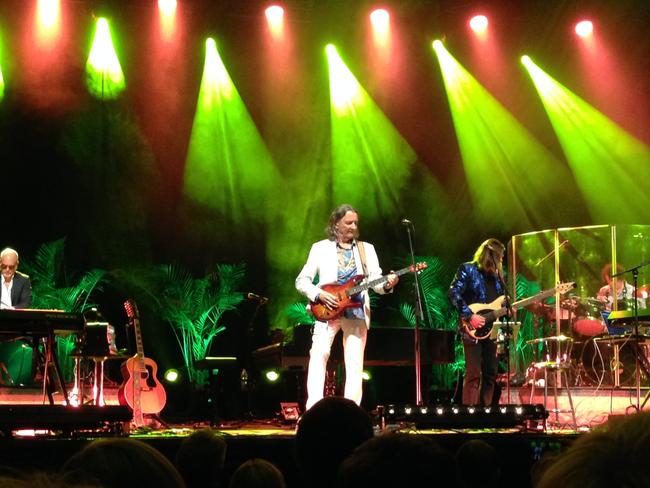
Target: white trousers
column 355, row 333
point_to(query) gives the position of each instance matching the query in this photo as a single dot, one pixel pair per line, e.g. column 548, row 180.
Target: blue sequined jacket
column 467, row 288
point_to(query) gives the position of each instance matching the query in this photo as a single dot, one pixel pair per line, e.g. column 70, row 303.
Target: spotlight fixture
column 584, row 28
column 479, row 24
column 171, row 375
column 272, row 376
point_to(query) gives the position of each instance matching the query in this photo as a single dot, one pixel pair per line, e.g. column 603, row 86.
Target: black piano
column 386, row 346
column 39, row 323
column 42, row 324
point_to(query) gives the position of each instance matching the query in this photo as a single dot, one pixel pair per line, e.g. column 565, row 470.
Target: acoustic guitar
column 141, row 390
column 495, row 310
column 346, row 292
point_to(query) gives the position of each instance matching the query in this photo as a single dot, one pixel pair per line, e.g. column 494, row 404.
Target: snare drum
column 556, row 350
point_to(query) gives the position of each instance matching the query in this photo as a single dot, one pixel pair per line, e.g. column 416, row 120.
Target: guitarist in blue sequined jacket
column 479, row 281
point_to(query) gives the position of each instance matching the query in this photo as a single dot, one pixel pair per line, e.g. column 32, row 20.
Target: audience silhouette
column 257, row 473
column 396, row 459
column 478, row 464
column 616, row 454
column 121, row 463
column 327, row 433
column 200, row 459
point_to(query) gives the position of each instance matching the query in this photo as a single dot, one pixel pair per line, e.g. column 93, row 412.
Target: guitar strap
column 362, row 254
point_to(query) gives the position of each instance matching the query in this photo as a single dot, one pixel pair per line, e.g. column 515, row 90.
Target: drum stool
column 556, row 356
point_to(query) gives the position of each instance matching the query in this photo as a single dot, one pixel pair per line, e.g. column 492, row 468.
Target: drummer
column 624, row 291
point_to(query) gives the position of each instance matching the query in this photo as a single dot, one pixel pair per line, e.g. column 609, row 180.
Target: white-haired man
column 16, row 287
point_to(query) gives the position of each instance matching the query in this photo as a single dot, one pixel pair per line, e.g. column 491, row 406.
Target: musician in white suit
column 336, row 260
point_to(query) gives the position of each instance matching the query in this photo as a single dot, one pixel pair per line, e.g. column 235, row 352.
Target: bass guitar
column 141, row 390
column 345, row 293
column 495, row 310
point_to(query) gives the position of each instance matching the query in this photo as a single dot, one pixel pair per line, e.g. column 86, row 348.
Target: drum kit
column 583, row 318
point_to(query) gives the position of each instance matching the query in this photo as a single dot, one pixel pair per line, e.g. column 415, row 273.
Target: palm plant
column 53, row 289
column 194, row 308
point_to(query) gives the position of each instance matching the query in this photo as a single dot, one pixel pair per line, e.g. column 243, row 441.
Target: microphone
column 406, row 222
column 258, row 298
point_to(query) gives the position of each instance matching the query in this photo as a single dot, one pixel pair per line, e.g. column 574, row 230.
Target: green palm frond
column 298, row 313
column 194, row 307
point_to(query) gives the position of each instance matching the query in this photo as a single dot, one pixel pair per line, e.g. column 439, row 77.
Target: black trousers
column 481, row 365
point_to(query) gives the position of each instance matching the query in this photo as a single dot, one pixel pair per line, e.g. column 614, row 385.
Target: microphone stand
column 418, row 318
column 635, row 277
column 507, row 331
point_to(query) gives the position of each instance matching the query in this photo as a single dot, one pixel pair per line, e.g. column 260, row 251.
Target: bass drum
column 588, row 321
column 597, row 364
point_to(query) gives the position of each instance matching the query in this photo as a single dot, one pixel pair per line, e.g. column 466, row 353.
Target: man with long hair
column 479, row 281
column 337, row 259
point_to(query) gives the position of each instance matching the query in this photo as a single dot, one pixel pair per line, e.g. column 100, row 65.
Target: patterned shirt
column 347, row 269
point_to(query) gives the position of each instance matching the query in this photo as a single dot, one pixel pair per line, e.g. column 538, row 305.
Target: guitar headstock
column 131, row 309
column 563, row 288
column 418, row 267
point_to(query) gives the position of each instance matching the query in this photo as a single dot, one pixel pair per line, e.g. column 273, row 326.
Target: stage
column 44, row 448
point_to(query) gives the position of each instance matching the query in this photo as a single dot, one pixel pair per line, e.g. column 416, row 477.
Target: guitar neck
column 495, row 314
column 375, row 282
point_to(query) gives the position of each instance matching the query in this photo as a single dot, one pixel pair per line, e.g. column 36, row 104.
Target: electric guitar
column 345, row 293
column 140, row 390
column 494, row 310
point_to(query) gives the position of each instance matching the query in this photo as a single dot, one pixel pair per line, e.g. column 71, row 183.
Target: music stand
column 504, row 332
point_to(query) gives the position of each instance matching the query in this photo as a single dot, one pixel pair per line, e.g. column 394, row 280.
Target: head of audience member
column 616, row 454
column 397, row 459
column 121, row 463
column 200, row 459
column 327, row 433
column 257, row 473
column 471, row 455
column 8, row 263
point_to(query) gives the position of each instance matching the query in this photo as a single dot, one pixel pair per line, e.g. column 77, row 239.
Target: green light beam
column 228, row 168
column 514, row 181
column 104, row 76
column 371, row 161
column 610, row 165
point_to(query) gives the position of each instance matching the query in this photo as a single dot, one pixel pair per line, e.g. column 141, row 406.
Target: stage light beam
column 48, row 22
column 380, row 20
column 104, row 76
column 167, row 9
column 345, row 89
column 495, row 146
column 275, row 19
column 605, row 160
column 370, row 159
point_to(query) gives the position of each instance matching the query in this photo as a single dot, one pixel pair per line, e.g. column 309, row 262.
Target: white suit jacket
column 323, row 262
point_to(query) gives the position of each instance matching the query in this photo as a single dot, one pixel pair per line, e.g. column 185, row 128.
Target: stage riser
column 592, row 407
